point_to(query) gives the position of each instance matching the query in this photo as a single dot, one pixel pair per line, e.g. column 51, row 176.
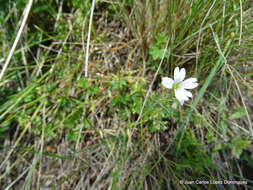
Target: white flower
column 179, row 85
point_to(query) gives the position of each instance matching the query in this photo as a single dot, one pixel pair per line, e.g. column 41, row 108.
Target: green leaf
column 93, row 90
column 29, row 97
column 238, row 145
column 119, row 83
column 248, row 158
column 217, row 147
column 156, row 52
column 210, row 137
column 83, row 83
column 160, row 38
column 238, row 113
column 72, row 136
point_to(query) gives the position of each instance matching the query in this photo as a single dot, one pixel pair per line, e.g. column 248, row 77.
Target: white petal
column 176, row 73
column 187, row 93
column 179, row 75
column 167, row 82
column 181, row 102
column 189, row 83
column 180, row 95
column 182, row 73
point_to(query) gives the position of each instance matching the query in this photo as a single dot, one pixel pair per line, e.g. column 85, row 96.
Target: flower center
column 176, row 85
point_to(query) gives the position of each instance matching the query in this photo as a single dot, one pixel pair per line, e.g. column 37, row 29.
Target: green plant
column 192, row 155
column 156, row 51
column 96, row 130
column 237, row 145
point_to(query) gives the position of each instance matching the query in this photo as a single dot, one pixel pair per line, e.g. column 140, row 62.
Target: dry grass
column 67, row 132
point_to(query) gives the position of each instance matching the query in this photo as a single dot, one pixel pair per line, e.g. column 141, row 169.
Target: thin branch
column 26, row 13
column 151, row 85
column 18, row 178
column 88, row 39
column 63, row 44
column 25, row 63
column 58, row 15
